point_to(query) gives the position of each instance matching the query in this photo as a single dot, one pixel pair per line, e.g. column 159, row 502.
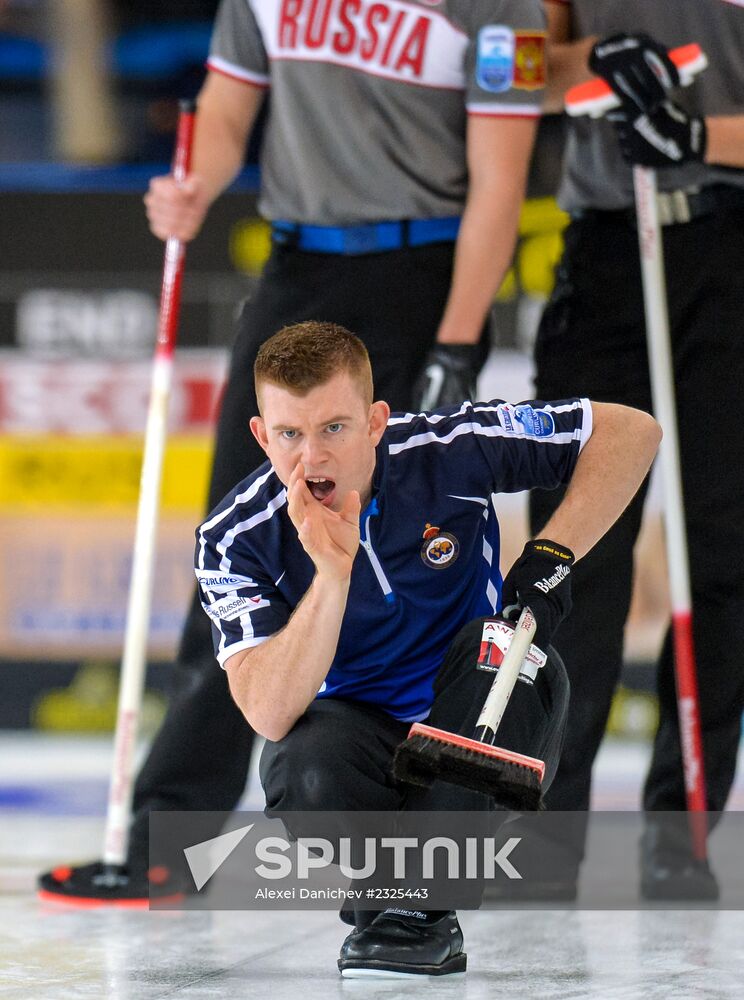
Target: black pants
column 394, row 302
column 338, row 756
column 592, row 342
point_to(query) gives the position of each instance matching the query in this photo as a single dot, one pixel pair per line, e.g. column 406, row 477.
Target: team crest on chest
column 440, row 548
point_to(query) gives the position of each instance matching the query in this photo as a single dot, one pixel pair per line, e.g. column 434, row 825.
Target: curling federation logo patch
column 523, row 420
column 495, row 60
column 440, row 548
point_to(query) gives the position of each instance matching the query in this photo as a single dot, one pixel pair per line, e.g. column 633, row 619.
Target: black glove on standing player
column 665, row 137
column 449, row 376
column 637, row 68
column 541, row 580
column 651, row 130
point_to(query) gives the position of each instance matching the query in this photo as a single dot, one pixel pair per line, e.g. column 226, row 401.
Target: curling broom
column 134, row 658
column 513, row 779
column 85, row 886
column 595, row 98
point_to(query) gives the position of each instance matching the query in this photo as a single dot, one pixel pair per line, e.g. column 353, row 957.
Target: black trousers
column 591, row 342
column 337, row 758
column 394, row 302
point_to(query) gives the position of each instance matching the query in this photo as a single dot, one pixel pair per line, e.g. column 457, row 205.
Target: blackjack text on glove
column 637, row 68
column 448, row 377
column 541, row 580
column 666, row 137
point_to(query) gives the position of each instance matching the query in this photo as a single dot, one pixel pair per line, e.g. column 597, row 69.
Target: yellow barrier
column 89, row 703
column 541, row 222
column 538, row 250
column 98, row 472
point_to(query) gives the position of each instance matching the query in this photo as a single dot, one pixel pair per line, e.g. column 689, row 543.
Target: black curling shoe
column 669, row 872
column 404, row 943
column 670, row 881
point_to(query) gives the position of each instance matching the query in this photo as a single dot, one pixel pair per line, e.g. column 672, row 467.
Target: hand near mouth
column 330, row 538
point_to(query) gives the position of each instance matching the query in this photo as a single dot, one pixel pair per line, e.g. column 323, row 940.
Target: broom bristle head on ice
column 428, row 754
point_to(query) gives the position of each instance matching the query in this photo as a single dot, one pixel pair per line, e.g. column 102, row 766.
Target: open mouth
column 320, row 487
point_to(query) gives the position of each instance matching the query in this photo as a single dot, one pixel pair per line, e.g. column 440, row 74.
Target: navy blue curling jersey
column 428, row 561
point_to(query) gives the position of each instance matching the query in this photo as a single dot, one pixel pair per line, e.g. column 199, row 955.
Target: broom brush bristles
column 513, row 780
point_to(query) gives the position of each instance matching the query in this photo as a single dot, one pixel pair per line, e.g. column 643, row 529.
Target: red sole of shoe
column 92, row 902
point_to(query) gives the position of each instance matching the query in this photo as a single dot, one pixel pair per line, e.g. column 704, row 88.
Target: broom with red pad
column 101, row 884
column 594, row 98
column 512, row 779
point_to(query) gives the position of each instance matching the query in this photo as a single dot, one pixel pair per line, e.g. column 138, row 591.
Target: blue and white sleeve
column 243, row 603
column 532, row 444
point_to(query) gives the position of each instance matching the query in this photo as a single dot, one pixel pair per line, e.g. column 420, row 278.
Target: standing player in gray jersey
column 592, row 338
column 393, row 168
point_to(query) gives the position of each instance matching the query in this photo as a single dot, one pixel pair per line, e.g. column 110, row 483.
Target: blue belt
column 374, row 237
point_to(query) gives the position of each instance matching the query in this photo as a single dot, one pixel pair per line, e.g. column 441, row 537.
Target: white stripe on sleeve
column 225, row 652
column 221, row 65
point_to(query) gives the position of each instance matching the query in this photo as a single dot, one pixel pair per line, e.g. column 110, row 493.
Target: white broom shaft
column 663, row 394
column 662, row 383
column 506, row 678
column 134, row 659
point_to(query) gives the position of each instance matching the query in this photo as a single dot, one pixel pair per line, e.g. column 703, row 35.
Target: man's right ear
column 258, row 429
column 379, row 414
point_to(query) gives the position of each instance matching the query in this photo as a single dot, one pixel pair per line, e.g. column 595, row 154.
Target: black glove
column 541, row 580
column 448, row 376
column 637, row 68
column 666, row 137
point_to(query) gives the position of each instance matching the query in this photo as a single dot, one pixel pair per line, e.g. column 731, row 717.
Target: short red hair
column 303, row 356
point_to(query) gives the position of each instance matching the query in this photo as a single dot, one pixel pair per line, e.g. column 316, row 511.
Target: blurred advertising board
column 70, row 458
